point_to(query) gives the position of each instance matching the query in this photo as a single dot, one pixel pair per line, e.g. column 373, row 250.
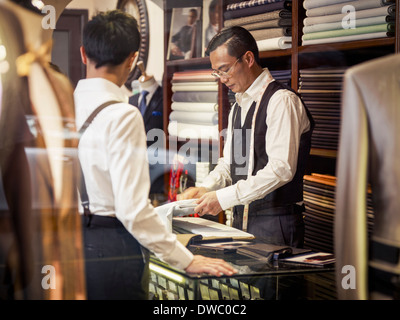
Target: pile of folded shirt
column 330, row 21
column 194, row 105
column 269, row 21
column 321, row 89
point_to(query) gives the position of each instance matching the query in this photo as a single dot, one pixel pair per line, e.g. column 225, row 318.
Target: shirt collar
column 253, row 91
column 150, row 89
column 102, row 87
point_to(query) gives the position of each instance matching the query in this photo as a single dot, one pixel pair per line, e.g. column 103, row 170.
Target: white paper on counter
column 210, row 229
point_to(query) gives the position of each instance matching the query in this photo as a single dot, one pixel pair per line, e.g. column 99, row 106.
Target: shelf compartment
column 203, row 61
column 351, row 45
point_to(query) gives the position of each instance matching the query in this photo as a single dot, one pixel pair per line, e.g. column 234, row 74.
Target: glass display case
column 255, row 280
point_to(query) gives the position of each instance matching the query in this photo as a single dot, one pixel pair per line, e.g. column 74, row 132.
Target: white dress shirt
column 286, row 121
column 150, row 88
column 115, row 165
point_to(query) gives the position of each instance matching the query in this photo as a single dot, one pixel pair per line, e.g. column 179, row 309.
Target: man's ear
column 83, row 55
column 248, row 57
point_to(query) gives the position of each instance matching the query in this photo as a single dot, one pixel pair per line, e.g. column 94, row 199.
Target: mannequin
column 50, row 223
column 152, row 118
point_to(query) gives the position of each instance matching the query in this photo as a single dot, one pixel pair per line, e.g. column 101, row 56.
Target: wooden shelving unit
column 295, row 58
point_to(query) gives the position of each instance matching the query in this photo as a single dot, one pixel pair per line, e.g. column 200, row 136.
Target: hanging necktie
column 142, row 105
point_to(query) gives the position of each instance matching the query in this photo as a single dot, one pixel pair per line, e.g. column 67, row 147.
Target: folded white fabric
column 310, row 4
column 195, row 86
column 193, row 131
column 194, row 106
column 207, row 118
column 275, row 43
column 175, row 209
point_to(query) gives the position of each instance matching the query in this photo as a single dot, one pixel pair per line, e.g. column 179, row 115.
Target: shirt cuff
column 227, row 197
column 180, row 257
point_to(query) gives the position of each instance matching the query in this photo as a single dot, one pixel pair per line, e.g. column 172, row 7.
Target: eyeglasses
column 225, row 74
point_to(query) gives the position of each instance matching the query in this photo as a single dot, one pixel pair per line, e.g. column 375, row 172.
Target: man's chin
column 232, row 88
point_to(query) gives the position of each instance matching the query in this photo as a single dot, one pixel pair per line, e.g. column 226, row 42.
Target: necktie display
column 142, row 105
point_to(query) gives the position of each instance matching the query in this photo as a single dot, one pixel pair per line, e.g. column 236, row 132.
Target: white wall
column 93, row 5
column 155, row 63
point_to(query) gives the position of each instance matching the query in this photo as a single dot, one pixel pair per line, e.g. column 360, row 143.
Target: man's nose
column 224, row 80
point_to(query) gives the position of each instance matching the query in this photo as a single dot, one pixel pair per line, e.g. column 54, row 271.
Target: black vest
column 289, row 193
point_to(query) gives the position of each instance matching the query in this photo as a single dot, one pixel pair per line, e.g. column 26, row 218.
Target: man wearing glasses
column 268, row 141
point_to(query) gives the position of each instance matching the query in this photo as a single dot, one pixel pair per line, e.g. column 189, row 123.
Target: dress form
column 56, row 238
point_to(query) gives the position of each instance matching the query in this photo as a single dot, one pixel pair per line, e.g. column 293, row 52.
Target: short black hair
column 110, row 37
column 213, row 5
column 238, row 41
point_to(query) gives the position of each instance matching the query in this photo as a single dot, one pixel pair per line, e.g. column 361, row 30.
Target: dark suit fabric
column 153, row 119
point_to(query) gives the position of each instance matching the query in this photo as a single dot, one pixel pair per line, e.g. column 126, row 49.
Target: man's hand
column 192, row 193
column 215, row 267
column 208, row 204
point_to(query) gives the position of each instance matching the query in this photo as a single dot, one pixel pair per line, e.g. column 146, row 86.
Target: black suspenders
column 82, row 186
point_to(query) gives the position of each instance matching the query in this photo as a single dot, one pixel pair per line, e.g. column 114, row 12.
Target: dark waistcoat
column 287, row 194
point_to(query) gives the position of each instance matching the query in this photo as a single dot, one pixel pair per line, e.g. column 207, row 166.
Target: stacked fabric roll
column 283, row 76
column 269, row 21
column 330, row 21
column 319, row 200
column 194, row 105
column 321, row 90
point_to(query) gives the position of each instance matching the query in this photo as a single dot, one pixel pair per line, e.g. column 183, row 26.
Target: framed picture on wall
column 211, row 12
column 185, row 33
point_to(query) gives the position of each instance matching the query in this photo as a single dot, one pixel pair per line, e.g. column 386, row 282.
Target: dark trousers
column 116, row 268
column 279, row 226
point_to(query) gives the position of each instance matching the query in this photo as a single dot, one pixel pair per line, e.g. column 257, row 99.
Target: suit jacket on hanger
column 369, row 152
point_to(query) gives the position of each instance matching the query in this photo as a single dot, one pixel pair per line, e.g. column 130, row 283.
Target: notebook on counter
column 208, row 229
